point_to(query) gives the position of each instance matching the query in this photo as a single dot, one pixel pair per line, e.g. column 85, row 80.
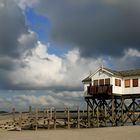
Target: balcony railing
column 100, row 89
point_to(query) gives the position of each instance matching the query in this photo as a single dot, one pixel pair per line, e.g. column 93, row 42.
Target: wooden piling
column 122, row 111
column 97, row 112
column 105, row 116
column 134, row 109
column 88, row 116
column 113, row 113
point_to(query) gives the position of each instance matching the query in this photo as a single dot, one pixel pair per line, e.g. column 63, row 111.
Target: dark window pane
column 101, row 82
column 135, row 82
column 107, row 81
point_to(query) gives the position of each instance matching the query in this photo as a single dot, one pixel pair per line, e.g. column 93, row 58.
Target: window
column 107, row 81
column 101, row 82
column 127, row 83
column 135, row 82
column 95, row 82
column 118, row 82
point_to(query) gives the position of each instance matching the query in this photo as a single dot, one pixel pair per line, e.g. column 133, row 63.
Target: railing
column 100, row 89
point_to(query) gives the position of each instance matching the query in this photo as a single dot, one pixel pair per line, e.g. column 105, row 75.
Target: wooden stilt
column 122, row 110
column 134, row 109
column 113, row 112
column 97, row 116
column 93, row 113
column 88, row 116
column 105, row 116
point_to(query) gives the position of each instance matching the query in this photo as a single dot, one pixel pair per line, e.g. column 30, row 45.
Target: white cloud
column 43, row 70
column 132, row 52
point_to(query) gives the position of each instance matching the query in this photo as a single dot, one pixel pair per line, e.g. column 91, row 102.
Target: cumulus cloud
column 49, row 71
column 97, row 27
column 92, row 28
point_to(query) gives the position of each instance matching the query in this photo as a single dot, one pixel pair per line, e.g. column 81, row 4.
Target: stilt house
column 106, row 81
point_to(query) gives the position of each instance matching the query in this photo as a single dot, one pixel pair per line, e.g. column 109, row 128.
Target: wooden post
column 13, row 113
column 93, row 112
column 78, row 117
column 44, row 116
column 122, row 112
column 116, row 115
column 54, row 118
column 113, row 112
column 49, row 119
column 88, row 116
column 68, row 118
column 134, row 109
column 20, row 120
column 105, row 116
column 36, row 118
column 51, row 113
column 30, row 112
column 97, row 116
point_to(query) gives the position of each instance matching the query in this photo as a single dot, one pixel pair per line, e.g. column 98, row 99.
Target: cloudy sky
column 48, row 46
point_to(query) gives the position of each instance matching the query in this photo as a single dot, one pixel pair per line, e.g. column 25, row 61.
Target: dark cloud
column 10, row 29
column 15, row 39
column 97, row 27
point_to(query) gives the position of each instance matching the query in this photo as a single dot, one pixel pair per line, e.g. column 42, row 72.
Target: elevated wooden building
column 113, row 96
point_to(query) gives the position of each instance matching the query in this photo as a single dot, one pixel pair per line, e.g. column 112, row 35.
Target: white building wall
column 117, row 89
column 131, row 89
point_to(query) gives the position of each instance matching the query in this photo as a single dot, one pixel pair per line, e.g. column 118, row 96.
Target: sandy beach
column 110, row 133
